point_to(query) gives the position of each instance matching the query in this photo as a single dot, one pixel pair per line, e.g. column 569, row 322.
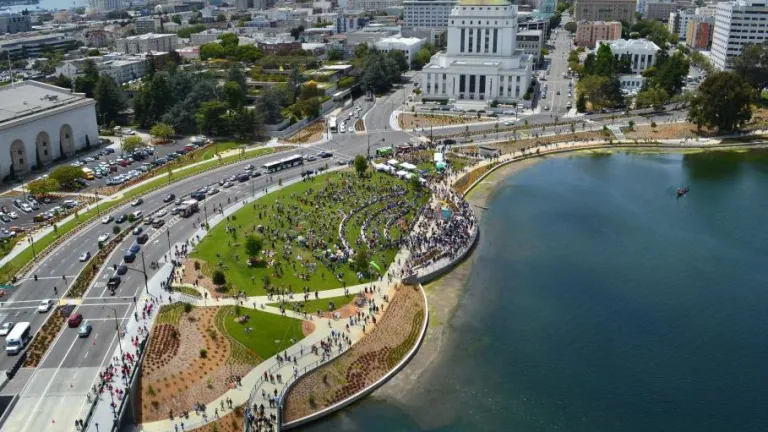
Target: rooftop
column 633, row 44
column 484, row 3
column 30, row 97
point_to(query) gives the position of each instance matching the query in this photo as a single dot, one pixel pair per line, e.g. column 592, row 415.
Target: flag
column 376, row 266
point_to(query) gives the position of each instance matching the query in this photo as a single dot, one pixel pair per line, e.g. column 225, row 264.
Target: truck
column 189, row 207
column 88, row 173
column 18, row 338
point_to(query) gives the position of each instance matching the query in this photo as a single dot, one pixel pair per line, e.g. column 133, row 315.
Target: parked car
column 138, row 230
column 6, row 328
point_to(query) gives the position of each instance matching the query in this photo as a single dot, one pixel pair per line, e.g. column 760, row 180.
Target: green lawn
column 312, row 210
column 312, row 306
column 269, row 334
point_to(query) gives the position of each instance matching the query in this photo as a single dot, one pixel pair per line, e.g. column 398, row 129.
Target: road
column 52, row 393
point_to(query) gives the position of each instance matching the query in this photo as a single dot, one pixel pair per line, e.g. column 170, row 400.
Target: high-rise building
column 482, row 63
column 427, row 13
column 699, row 32
column 14, row 23
column 678, row 23
column 589, row 32
column 605, row 10
column 659, row 10
column 737, row 23
column 107, row 5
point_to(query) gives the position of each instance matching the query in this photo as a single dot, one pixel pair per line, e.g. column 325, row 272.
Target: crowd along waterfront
column 598, row 300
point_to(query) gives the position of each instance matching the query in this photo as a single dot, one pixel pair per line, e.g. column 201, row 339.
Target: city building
column 40, row 122
column 659, row 10
column 33, row 46
column 100, row 38
column 204, row 37
column 369, row 35
column 678, row 23
column 107, row 5
column 373, row 5
column 530, row 23
column 435, row 36
column 15, row 23
column 544, row 8
column 482, row 63
column 641, row 52
column 408, row 46
column 122, row 68
column 145, row 43
column 706, row 11
column 144, row 25
column 605, row 10
column 699, row 32
column 589, row 32
column 278, row 46
column 427, row 13
column 531, row 42
column 738, row 23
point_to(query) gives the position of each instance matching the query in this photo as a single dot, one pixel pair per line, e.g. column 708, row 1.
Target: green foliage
column 668, row 73
column 421, row 58
column 253, row 245
column 581, row 103
column 570, row 26
column 211, row 118
column 66, row 175
column 233, row 94
column 335, row 55
column 218, row 278
column 273, row 100
column 346, row 82
column 722, row 101
column 380, row 71
column 177, row 19
column 43, row 186
column 361, row 51
column 86, row 83
column 116, row 230
column 361, row 165
column 162, row 131
column 93, row 52
column 212, row 50
column 752, row 65
column 186, row 32
column 221, row 18
column 63, row 81
column 361, row 258
column 131, row 143
column 654, row 97
column 110, row 99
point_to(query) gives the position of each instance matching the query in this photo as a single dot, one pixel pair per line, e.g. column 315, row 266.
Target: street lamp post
column 32, row 242
column 170, row 252
column 205, row 209
column 117, row 330
column 144, row 266
column 98, row 210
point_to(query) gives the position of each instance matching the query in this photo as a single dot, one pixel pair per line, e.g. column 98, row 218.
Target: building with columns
column 482, row 63
column 40, row 123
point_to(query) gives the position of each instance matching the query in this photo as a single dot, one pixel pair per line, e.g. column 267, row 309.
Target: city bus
column 287, row 162
column 189, row 207
column 18, row 338
column 383, row 151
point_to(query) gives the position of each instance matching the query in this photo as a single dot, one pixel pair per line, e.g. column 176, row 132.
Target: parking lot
column 105, row 165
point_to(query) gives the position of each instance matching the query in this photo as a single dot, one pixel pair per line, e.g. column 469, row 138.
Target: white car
column 13, row 215
column 107, row 219
column 161, row 213
column 26, row 208
column 45, row 306
column 6, row 328
column 104, row 237
column 509, row 123
column 85, row 256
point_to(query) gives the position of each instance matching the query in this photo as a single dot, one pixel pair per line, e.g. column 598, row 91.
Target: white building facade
column 482, row 62
column 642, row 53
column 427, row 13
column 40, row 123
column 145, row 43
column 737, row 24
column 408, row 46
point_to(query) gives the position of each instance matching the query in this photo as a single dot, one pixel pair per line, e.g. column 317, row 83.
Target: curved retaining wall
column 368, row 390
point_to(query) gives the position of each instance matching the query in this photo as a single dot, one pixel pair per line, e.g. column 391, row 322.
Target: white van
column 18, row 338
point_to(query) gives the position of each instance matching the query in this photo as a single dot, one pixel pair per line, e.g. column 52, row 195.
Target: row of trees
column 229, row 48
column 381, row 69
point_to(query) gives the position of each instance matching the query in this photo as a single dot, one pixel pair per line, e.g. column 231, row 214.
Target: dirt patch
column 365, row 362
column 360, row 125
column 177, row 373
column 667, row 131
column 411, row 120
column 232, row 422
column 190, row 275
column 307, row 327
column 309, row 134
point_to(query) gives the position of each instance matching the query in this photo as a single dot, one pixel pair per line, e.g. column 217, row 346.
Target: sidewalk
column 103, row 415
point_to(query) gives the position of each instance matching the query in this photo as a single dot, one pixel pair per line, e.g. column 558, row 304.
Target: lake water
column 600, row 302
column 45, row 4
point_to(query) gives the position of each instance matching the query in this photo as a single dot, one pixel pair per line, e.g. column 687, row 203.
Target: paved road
column 70, row 366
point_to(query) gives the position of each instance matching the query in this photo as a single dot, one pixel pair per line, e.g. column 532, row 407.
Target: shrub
column 203, row 353
column 187, row 307
column 116, row 230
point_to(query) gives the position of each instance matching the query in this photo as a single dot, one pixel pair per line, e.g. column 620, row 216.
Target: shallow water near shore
column 598, row 301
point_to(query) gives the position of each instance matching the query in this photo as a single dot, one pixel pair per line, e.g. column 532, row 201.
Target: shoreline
column 445, row 293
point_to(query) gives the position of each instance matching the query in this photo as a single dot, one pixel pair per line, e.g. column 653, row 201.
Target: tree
column 604, row 62
column 109, row 99
column 723, row 101
column 415, row 182
column 654, row 97
column 210, row 118
column 212, row 50
column 361, row 51
column 43, row 186
column 308, row 90
column 669, row 73
column 66, row 175
column 752, row 65
column 295, row 80
column 63, row 81
column 421, row 58
column 361, row 259
column 272, row 101
column 164, row 131
column 248, row 53
column 253, row 246
column 399, row 57
column 218, row 278
column 335, row 54
column 130, row 144
column 177, row 19
column 233, row 94
column 571, row 26
column 247, row 123
column 360, row 165
column 702, row 62
column 86, row 83
column 221, row 18
column 581, row 103
column 93, row 52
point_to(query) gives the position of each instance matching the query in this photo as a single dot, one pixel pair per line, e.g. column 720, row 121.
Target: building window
column 461, row 48
column 495, row 39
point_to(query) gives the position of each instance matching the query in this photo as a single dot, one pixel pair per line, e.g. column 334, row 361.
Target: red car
column 74, row 320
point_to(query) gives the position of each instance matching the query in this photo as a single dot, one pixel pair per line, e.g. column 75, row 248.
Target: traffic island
column 46, row 335
column 366, row 365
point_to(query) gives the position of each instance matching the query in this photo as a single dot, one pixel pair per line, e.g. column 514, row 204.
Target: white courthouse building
column 482, row 63
column 737, row 24
column 40, row 122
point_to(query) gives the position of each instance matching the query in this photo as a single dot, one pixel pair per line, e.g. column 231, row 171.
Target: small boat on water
column 682, row 191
